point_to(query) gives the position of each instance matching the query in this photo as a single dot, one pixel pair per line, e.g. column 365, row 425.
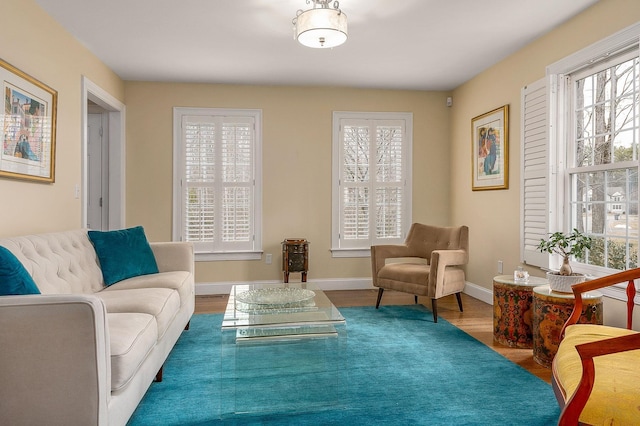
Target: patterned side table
column 512, row 314
column 550, row 311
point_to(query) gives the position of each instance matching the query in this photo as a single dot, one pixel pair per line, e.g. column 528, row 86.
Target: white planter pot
column 563, row 283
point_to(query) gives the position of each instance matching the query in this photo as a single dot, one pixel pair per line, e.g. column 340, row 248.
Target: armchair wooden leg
column 186, row 327
column 416, row 299
column 434, row 308
column 380, row 291
column 459, row 301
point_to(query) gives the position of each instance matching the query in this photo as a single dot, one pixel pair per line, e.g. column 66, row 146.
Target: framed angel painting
column 490, row 150
column 28, row 137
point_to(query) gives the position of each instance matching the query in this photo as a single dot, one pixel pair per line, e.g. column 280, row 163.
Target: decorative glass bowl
column 276, row 298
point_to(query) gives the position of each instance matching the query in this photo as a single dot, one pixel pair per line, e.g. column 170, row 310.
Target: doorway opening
column 103, row 160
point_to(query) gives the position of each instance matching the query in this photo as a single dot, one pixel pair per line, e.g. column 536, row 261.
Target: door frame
column 116, row 143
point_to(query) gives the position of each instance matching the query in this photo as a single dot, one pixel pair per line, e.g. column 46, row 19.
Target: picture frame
column 490, row 150
column 28, row 137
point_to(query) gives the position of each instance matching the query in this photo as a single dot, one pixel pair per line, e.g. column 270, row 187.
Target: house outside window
column 371, row 181
column 217, row 182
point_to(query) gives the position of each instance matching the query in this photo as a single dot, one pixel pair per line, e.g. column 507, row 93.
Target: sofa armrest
column 173, row 256
column 55, row 359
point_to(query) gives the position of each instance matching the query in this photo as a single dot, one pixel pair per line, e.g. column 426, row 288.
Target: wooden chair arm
column 625, row 276
column 587, row 351
column 606, row 281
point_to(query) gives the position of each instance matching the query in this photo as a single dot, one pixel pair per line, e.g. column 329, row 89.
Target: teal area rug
column 401, row 369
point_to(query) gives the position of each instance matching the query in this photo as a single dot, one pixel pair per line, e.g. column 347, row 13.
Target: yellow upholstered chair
column 429, row 264
column 596, row 371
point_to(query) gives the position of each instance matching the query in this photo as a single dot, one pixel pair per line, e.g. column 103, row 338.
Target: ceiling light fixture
column 320, row 27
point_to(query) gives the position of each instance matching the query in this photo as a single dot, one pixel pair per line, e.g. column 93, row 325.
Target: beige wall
column 33, row 42
column 296, row 164
column 297, row 145
column 494, row 216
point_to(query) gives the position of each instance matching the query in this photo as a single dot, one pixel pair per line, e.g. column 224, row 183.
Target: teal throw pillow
column 14, row 279
column 123, row 254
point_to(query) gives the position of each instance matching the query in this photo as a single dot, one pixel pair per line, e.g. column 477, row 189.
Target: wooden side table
column 512, row 310
column 295, row 257
column 550, row 311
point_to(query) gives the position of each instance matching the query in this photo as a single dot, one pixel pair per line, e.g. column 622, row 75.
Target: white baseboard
column 471, row 289
column 477, row 292
column 323, row 284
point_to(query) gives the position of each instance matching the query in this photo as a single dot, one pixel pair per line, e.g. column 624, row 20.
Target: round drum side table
column 512, row 314
column 550, row 311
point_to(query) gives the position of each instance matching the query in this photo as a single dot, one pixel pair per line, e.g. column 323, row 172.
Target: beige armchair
column 427, row 264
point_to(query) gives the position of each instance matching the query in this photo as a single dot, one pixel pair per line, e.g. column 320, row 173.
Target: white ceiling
column 399, row 44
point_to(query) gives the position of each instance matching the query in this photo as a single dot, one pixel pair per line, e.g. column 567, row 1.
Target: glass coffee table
column 283, row 349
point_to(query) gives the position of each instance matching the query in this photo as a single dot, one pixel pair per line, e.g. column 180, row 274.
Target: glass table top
column 279, row 304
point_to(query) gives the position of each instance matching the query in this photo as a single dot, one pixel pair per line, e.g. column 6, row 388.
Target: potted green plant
column 565, row 245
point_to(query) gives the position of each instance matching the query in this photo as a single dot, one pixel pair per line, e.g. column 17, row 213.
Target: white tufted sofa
column 82, row 353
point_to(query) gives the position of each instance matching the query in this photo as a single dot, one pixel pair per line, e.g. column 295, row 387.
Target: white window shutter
column 200, row 168
column 372, row 181
column 218, row 182
column 389, row 181
column 534, row 161
column 355, row 176
column 371, row 191
column 237, row 181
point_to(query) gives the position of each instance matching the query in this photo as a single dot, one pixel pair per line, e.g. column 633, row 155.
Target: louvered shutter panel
column 199, row 135
column 219, row 182
column 237, row 181
column 372, row 182
column 355, row 179
column 535, row 154
column 389, row 180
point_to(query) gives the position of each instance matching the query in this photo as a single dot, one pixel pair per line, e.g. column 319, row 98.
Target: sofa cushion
column 132, row 337
column 414, row 273
column 162, row 303
column 615, row 395
column 123, row 254
column 181, row 281
column 14, row 279
column 60, row 262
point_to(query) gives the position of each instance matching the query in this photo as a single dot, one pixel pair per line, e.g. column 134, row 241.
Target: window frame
column 557, row 128
column 561, row 126
column 571, row 169
column 255, row 252
column 339, row 250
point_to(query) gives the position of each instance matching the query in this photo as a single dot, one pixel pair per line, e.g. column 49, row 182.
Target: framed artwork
column 490, row 150
column 28, row 138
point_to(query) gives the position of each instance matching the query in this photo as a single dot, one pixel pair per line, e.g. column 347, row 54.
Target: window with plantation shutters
column 372, row 188
column 580, row 162
column 217, row 184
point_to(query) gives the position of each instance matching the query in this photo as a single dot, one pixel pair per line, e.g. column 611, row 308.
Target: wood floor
column 476, row 320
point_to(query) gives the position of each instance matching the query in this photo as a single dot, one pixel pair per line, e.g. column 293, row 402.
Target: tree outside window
column 604, row 178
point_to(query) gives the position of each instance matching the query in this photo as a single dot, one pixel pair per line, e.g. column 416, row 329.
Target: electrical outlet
column 268, row 258
column 499, row 266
